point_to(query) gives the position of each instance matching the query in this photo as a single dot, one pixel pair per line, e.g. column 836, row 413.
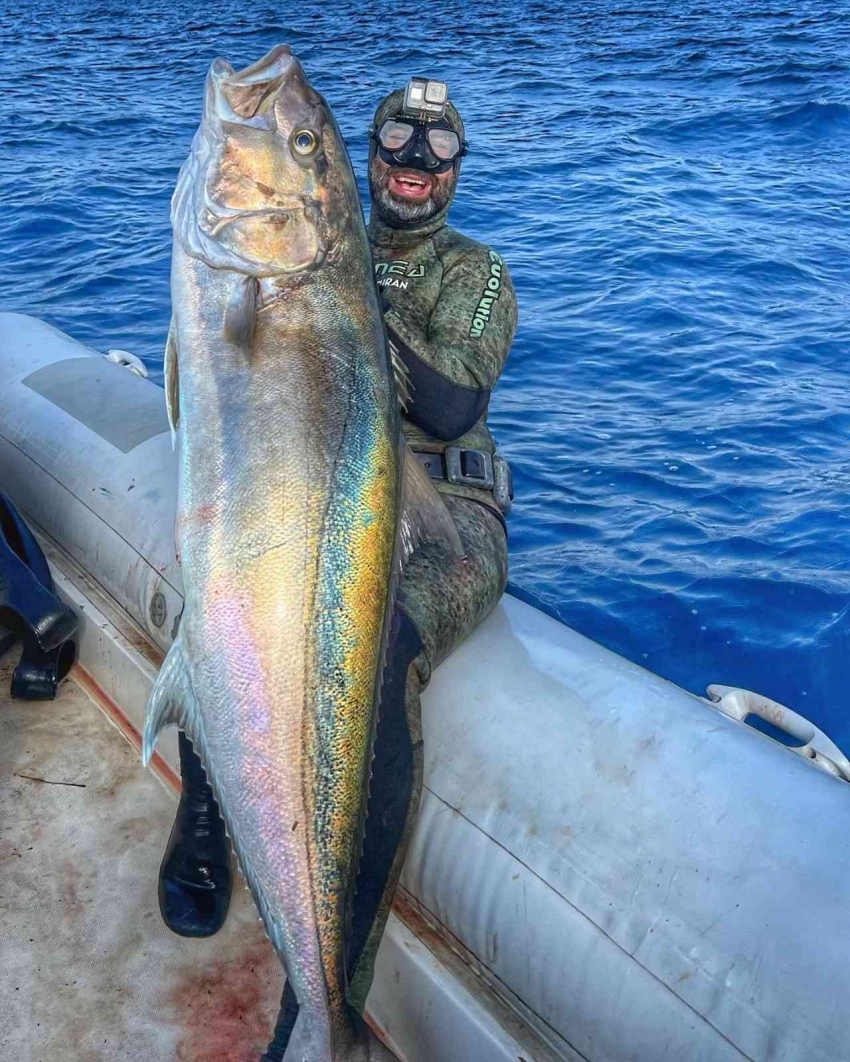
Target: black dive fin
column 31, row 611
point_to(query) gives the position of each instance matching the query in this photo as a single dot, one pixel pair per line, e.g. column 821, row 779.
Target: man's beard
column 398, row 212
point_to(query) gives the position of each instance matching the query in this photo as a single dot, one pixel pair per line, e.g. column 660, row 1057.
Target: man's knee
column 446, row 597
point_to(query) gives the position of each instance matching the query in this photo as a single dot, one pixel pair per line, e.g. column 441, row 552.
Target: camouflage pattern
column 433, row 280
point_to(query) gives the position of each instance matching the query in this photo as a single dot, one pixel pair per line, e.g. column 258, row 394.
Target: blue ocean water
column 669, row 184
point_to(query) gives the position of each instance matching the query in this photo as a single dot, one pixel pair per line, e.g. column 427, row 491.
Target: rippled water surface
column 669, row 185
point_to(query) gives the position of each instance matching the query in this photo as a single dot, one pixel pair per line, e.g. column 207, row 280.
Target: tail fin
column 311, row 1040
column 314, row 1042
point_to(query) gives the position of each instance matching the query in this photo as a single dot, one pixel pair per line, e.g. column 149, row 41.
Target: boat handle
column 127, row 361
column 817, row 748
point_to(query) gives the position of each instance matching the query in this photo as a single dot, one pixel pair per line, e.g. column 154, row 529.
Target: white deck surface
column 88, row 971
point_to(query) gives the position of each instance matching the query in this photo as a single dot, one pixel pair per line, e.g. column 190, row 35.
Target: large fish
column 296, row 506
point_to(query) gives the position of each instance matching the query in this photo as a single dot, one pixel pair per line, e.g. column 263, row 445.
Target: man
column 450, row 313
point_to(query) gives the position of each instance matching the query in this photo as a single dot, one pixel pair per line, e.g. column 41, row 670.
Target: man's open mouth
column 407, row 184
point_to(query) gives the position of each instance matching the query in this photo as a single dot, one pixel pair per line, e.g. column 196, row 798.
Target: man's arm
column 452, row 370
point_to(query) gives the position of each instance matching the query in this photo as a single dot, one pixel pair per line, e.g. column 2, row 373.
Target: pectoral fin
column 172, row 386
column 241, row 315
column 424, row 516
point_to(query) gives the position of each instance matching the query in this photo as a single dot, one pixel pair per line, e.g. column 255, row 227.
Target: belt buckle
column 456, row 474
column 432, row 463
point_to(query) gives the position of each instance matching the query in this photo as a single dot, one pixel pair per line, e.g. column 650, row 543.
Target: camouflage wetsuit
column 450, row 312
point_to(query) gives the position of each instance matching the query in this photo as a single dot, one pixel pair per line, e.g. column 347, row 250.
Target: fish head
column 268, row 188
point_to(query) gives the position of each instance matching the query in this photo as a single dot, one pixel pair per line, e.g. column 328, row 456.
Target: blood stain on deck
column 228, row 1008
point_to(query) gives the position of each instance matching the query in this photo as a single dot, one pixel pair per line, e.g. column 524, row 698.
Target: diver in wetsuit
column 450, row 313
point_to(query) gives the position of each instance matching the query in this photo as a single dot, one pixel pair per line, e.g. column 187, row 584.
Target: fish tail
column 172, row 702
column 311, row 1039
column 349, row 1039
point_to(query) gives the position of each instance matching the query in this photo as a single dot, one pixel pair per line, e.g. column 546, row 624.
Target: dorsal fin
column 401, row 375
column 424, row 516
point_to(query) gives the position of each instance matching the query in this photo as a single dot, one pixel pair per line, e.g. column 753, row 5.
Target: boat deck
column 89, row 971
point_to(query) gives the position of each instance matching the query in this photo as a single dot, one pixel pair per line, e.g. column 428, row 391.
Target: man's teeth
column 414, row 182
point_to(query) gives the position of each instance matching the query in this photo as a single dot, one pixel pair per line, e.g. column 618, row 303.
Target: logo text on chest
column 397, row 274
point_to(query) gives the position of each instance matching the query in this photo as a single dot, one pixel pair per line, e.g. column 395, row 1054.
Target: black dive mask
column 430, row 146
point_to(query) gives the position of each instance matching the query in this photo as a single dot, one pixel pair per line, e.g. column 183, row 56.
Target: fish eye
column 305, row 141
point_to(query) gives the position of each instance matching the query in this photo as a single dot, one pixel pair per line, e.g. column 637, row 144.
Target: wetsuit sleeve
column 452, row 369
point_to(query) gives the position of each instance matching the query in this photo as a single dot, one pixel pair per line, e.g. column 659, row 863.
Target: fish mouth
column 273, row 213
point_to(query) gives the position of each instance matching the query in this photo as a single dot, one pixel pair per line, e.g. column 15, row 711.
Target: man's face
column 404, row 196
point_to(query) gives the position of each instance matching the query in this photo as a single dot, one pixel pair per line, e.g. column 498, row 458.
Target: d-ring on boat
column 605, row 868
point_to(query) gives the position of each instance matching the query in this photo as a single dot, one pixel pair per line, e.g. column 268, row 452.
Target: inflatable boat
column 606, row 867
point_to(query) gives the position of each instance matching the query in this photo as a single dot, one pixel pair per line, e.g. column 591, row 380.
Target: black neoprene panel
column 438, row 405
